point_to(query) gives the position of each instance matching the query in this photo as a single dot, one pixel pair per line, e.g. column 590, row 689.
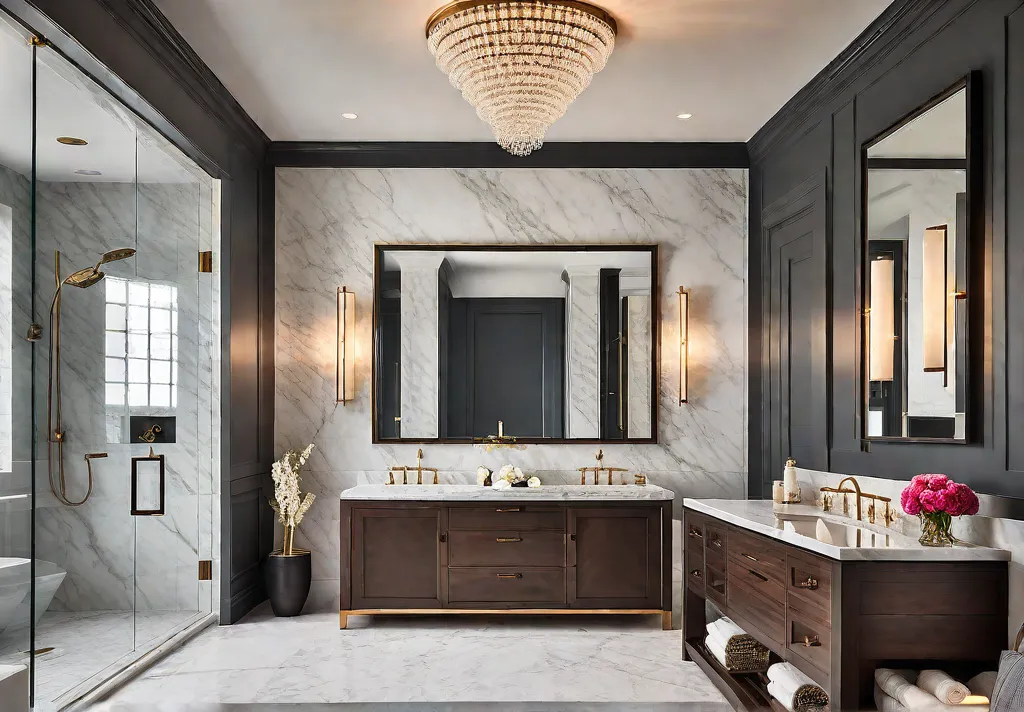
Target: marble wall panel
column 583, row 355
column 639, row 346
column 327, row 223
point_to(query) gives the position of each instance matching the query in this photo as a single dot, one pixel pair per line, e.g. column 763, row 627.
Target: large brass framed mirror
column 515, row 343
column 921, row 194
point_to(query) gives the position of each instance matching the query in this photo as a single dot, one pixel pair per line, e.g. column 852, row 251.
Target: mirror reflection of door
column 916, row 227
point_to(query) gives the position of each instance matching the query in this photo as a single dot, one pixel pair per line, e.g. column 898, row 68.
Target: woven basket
column 743, row 652
column 1008, row 693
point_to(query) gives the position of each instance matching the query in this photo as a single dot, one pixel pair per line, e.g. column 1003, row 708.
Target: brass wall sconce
column 684, row 343
column 346, row 354
column 934, row 299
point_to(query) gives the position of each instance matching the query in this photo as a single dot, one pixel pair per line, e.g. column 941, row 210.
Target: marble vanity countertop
column 832, row 535
column 474, row 493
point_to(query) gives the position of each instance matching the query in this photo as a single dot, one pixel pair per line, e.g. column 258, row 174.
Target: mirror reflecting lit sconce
column 881, row 320
column 934, row 298
column 346, row 353
column 684, row 342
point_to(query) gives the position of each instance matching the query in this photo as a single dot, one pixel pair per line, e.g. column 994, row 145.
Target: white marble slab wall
column 999, row 523
column 420, row 369
column 327, row 223
column 639, row 347
column 583, row 353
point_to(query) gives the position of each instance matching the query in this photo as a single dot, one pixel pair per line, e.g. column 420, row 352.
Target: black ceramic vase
column 288, row 580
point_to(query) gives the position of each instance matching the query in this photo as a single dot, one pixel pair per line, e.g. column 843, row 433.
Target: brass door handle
column 760, row 576
column 810, row 584
column 508, row 509
column 510, row 576
column 507, row 539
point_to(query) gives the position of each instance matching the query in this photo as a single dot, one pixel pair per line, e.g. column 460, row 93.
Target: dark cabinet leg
column 694, row 620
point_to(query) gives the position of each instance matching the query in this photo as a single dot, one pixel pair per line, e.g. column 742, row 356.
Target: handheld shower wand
column 83, row 279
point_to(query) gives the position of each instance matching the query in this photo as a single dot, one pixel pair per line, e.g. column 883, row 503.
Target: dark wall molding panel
column 487, row 154
column 913, row 52
column 132, row 50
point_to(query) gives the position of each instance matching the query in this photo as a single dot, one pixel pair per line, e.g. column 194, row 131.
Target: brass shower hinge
column 36, row 41
column 205, row 570
column 206, row 261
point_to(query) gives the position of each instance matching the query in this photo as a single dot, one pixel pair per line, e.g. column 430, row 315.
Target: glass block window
column 141, row 344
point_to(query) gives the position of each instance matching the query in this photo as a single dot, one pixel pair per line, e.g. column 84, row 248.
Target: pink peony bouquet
column 937, row 499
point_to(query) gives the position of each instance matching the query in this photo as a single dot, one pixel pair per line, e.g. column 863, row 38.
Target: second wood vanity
column 463, row 549
column 835, row 599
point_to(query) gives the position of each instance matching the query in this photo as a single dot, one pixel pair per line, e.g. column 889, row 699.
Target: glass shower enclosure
column 109, row 353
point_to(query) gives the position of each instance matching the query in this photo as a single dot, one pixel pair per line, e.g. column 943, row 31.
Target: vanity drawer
column 759, row 554
column 745, row 573
column 715, row 542
column 506, row 517
column 716, row 584
column 693, row 529
column 695, row 573
column 498, row 547
column 809, row 583
column 809, row 637
column 767, row 615
column 506, row 584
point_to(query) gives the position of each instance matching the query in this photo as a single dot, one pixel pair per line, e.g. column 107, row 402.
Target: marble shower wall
column 327, row 223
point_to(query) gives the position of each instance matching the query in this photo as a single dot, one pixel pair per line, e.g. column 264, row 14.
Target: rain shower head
column 116, row 255
column 84, row 277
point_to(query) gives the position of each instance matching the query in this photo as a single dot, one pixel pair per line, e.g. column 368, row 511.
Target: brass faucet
column 598, row 469
column 827, row 500
column 855, row 491
column 406, row 470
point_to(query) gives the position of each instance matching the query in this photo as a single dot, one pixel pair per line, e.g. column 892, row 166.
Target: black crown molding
column 892, row 27
column 431, row 154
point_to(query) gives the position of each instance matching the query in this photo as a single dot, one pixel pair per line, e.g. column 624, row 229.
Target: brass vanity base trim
column 666, row 616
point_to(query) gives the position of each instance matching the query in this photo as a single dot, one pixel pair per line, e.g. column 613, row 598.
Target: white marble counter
column 832, row 535
column 544, row 493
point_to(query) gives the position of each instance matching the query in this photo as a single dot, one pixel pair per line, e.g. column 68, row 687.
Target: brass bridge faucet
column 598, row 469
column 405, row 470
column 888, row 515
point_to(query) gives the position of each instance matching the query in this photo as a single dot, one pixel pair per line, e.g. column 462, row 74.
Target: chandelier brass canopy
column 521, row 62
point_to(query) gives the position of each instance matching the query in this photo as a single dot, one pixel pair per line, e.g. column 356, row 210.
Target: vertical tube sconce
column 346, row 354
column 881, row 320
column 684, row 342
column 933, row 298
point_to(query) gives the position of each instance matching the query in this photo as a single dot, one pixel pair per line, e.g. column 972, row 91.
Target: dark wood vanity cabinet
column 838, row 620
column 418, row 557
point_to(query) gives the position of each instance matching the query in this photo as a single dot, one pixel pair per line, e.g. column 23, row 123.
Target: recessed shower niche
column 107, row 477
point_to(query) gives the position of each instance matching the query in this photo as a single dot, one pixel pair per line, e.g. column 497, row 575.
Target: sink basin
column 835, row 533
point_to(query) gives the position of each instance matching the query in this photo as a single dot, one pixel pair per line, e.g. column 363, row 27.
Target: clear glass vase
column 935, row 529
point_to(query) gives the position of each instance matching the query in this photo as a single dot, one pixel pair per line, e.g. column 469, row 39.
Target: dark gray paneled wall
column 915, row 50
column 133, row 51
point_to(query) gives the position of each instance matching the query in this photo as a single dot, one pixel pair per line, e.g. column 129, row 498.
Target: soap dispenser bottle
column 791, row 489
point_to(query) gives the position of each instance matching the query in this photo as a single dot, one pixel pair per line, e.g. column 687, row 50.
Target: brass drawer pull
column 760, row 576
column 810, row 642
column 507, row 539
column 509, row 509
column 696, row 573
column 695, row 533
column 716, row 542
column 811, row 584
column 748, row 556
column 510, row 576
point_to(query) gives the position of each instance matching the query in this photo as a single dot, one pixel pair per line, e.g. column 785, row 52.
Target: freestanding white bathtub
column 15, row 605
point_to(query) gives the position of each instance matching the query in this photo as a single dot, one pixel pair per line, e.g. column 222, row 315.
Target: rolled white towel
column 982, row 684
column 726, row 628
column 946, row 689
column 884, row 703
column 786, row 700
column 788, row 677
column 717, row 635
column 716, row 649
column 895, row 684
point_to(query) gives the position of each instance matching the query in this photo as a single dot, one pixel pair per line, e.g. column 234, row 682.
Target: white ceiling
column 297, row 65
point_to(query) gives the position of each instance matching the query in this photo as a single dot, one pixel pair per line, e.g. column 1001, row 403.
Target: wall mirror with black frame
column 524, row 344
column 917, row 225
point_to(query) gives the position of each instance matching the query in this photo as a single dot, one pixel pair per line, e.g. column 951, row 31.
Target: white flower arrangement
column 533, row 482
column 483, row 476
column 510, row 474
column 288, row 502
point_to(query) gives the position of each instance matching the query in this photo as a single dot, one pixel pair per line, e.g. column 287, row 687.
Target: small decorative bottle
column 789, row 483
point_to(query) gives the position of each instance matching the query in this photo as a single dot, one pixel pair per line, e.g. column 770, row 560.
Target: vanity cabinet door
column 397, row 557
column 614, row 558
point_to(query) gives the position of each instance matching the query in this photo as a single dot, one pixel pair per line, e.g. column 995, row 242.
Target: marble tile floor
column 438, row 660
column 85, row 643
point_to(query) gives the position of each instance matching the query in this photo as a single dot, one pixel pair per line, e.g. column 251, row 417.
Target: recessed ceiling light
column 350, row 116
column 684, row 117
column 84, row 172
column 72, row 141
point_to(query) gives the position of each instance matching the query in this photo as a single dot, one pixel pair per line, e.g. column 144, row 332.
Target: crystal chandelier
column 519, row 62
